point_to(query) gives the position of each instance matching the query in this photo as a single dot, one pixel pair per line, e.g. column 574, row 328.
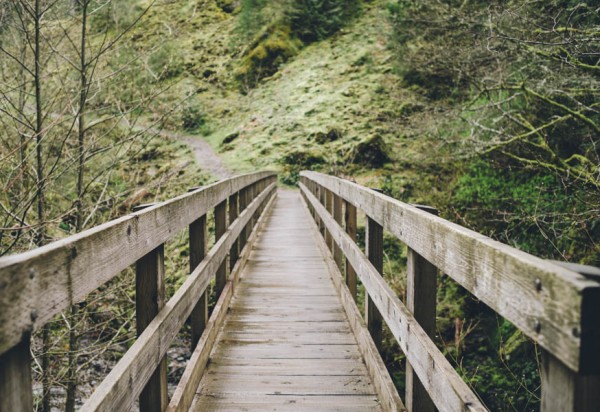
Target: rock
column 373, row 152
column 230, row 137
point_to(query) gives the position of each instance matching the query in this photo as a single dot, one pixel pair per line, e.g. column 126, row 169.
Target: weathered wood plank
column 350, row 220
column 286, row 403
column 50, row 279
column 120, row 388
column 274, row 340
column 565, row 391
column 446, row 388
column 421, row 294
column 15, row 378
column 374, row 250
column 149, row 300
column 197, row 240
column 542, row 299
column 220, row 228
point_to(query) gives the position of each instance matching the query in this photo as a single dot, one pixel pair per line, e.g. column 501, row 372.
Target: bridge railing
column 556, row 307
column 37, row 285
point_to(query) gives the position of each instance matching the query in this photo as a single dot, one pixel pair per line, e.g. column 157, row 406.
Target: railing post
column 350, row 217
column 329, row 207
column 150, row 299
column 321, row 191
column 564, row 390
column 337, row 215
column 15, row 378
column 220, row 229
column 374, row 243
column 421, row 292
column 243, row 204
column 199, row 316
column 233, row 214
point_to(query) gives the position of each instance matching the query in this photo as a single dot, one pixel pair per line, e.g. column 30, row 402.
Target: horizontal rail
column 36, row 285
column 122, row 386
column 446, row 388
column 552, row 305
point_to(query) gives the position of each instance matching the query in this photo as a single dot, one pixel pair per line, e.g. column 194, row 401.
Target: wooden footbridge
column 285, row 333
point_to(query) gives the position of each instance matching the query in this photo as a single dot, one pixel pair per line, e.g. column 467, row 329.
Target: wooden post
column 337, row 215
column 233, row 214
column 150, row 299
column 321, row 191
column 199, row 316
column 421, row 292
column 350, row 217
column 374, row 251
column 329, row 207
column 243, row 202
column 15, row 378
column 220, row 229
column 563, row 389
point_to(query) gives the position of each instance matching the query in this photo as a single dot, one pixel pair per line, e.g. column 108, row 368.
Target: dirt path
column 204, row 154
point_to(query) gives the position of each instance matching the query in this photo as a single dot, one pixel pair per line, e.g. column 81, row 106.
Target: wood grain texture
column 149, row 300
column 374, row 251
column 502, row 277
column 199, row 316
column 285, row 341
column 15, row 378
column 384, row 386
column 50, row 279
column 126, row 380
column 186, row 389
column 446, row 388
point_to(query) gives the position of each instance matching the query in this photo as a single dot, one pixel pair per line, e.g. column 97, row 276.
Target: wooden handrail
column 556, row 307
column 36, row 285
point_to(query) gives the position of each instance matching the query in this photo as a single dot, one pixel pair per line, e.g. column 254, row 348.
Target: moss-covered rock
column 331, row 136
column 303, row 158
column 371, row 152
column 273, row 47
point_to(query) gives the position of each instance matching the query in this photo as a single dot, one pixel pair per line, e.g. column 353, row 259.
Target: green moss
column 267, row 53
column 371, row 152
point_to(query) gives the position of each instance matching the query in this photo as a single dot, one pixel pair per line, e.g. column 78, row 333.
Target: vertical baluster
column 220, row 229
column 233, row 214
column 375, row 254
column 350, row 217
column 150, row 299
column 199, row 315
column 421, row 291
column 337, row 215
column 329, row 207
column 15, row 378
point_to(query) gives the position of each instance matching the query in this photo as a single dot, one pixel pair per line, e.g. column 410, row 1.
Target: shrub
column 314, row 20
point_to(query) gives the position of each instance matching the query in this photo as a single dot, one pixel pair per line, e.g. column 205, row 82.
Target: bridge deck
column 286, row 343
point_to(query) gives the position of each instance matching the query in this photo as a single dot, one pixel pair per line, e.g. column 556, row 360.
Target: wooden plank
column 218, row 384
column 329, row 207
column 126, row 380
column 186, row 390
column 273, row 341
column 350, row 220
column 149, row 300
column 284, row 403
column 197, row 240
column 15, row 378
column 374, row 249
column 421, row 294
column 50, row 279
column 220, row 229
column 446, row 388
column 565, row 391
column 542, row 299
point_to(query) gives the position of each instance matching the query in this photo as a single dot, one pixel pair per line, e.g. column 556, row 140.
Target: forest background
column 488, row 111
